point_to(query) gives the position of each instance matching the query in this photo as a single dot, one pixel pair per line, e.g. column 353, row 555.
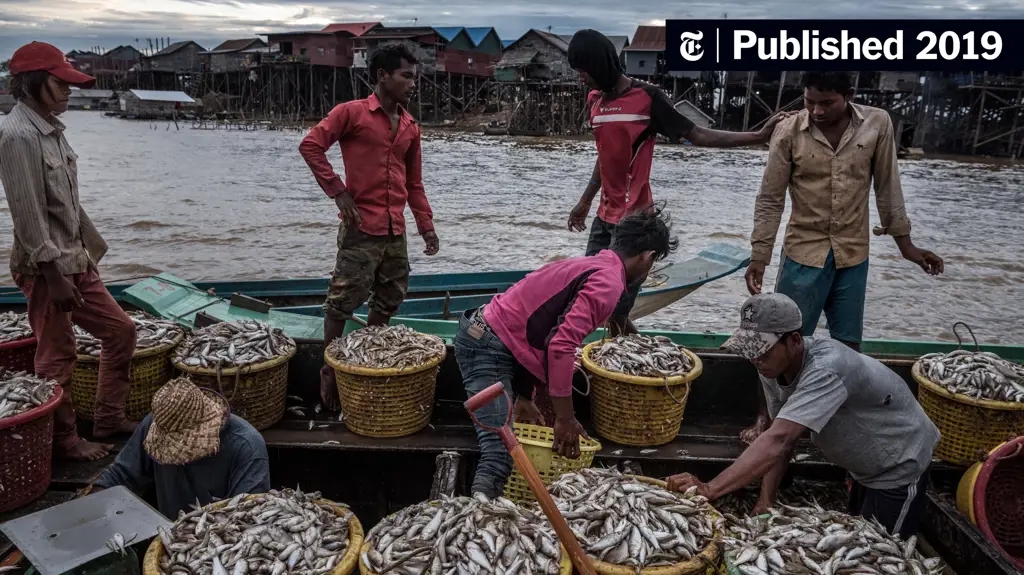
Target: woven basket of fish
column 278, row 532
column 537, row 441
column 246, row 362
column 464, row 535
column 630, row 524
column 17, row 343
column 386, row 379
column 810, row 539
column 976, row 399
column 155, row 340
column 638, row 387
column 27, row 404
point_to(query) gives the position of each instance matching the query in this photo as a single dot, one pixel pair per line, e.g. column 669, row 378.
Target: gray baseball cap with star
column 764, row 318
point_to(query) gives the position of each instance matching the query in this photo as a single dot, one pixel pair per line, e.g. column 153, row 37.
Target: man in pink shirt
column 534, row 329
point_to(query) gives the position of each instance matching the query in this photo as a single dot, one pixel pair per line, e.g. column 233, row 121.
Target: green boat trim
column 170, row 297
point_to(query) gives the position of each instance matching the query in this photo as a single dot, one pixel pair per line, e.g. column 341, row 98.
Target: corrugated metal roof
column 354, row 28
column 514, row 60
column 619, row 42
column 449, row 32
column 174, row 48
column 80, row 93
column 648, row 38
column 235, row 45
column 477, row 35
column 161, row 96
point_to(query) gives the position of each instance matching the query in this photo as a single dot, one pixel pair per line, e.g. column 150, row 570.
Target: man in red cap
column 56, row 247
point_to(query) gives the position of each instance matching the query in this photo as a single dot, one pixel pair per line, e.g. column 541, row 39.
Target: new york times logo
column 690, row 49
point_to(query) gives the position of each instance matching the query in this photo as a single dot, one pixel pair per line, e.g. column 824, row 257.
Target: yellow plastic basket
column 707, row 562
column 537, row 441
column 970, row 427
column 386, row 403
column 640, row 411
column 151, row 563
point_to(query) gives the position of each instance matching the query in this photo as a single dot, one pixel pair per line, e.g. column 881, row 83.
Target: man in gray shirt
column 861, row 415
column 190, row 449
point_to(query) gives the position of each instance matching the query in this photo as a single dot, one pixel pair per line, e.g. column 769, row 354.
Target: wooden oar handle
column 547, row 504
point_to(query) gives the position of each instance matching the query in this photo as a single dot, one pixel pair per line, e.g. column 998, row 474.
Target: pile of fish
column 277, row 532
column 464, row 536
column 621, row 520
column 386, row 347
column 14, row 326
column 149, row 332
column 812, row 540
column 21, row 391
column 977, row 374
column 642, row 356
column 831, row 495
column 233, row 344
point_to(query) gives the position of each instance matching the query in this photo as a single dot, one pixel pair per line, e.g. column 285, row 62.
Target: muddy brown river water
column 214, row 204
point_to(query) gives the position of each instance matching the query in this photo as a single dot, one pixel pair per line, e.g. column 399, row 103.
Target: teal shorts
column 838, row 292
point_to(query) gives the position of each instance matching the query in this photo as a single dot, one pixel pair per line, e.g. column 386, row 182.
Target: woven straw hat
column 186, row 423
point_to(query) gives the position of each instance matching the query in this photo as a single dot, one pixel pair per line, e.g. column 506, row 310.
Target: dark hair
column 28, row 85
column 645, row 230
column 389, row 58
column 838, row 82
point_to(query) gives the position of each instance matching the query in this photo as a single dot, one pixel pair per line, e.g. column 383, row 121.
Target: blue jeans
column 484, row 360
column 838, row 292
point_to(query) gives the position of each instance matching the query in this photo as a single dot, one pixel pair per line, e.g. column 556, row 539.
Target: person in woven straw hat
column 861, row 415
column 190, row 448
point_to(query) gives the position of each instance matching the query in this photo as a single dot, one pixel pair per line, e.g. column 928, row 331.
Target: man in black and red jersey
column 627, row 115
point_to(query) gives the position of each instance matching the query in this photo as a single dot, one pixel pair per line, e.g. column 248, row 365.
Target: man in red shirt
column 627, row 115
column 380, row 146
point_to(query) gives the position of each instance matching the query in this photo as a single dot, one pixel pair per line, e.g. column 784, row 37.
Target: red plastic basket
column 19, row 355
column 999, row 499
column 26, row 453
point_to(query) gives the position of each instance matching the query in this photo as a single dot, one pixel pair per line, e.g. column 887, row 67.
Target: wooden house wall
column 185, row 58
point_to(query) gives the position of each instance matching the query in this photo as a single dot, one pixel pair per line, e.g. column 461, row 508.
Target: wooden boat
column 443, row 296
column 377, row 477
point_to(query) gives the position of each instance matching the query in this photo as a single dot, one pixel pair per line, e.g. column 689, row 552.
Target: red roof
column 354, row 28
column 648, row 38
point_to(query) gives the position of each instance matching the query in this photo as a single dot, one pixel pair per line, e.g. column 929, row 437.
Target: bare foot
column 126, row 428
column 329, row 389
column 87, row 451
column 750, row 434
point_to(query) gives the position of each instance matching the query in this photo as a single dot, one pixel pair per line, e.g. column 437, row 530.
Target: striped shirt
column 39, row 173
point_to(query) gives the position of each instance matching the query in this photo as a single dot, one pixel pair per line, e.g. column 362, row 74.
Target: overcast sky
column 82, row 24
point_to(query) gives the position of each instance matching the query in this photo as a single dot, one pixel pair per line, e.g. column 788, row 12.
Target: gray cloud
column 87, row 23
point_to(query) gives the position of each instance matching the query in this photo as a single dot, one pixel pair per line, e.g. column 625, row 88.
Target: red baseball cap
column 42, row 56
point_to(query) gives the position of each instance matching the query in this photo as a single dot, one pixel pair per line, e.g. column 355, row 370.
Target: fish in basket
column 386, row 378
column 246, row 362
column 629, row 524
column 155, row 340
column 27, row 403
column 464, row 535
column 639, row 386
column 278, row 532
column 17, row 342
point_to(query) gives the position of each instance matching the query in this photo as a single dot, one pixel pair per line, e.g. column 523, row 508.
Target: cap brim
column 74, row 77
column 750, row 344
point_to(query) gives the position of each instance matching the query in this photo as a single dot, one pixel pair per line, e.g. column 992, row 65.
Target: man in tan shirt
column 827, row 157
column 56, row 248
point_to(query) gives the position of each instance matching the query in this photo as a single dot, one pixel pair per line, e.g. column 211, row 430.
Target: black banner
column 845, row 45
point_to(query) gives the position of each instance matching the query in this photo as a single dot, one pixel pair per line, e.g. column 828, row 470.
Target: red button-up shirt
column 381, row 172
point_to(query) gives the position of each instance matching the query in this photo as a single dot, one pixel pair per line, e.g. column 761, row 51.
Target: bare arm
column 768, row 452
column 595, row 183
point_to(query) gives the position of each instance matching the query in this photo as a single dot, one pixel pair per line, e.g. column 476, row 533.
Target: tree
column 5, row 67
